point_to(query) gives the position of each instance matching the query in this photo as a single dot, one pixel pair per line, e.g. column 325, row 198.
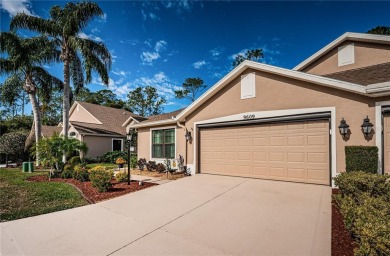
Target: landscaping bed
column 342, row 242
column 91, row 193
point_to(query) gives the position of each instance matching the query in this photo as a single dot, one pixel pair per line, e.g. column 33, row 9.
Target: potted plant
column 120, row 161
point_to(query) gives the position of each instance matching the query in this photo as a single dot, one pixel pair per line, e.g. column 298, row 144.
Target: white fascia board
column 325, row 81
column 155, row 123
column 128, row 121
column 346, row 36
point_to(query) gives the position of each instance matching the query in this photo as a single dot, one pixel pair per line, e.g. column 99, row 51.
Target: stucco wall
column 98, row 145
column 278, row 93
column 144, row 142
column 365, row 55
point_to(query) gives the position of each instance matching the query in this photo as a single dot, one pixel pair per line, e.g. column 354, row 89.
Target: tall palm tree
column 23, row 61
column 79, row 55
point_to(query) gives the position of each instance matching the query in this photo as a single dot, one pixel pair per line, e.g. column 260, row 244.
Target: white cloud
column 161, row 82
column 103, row 19
column 160, row 46
column 121, row 73
column 242, row 52
column 113, row 56
column 90, row 36
column 148, row 57
column 153, row 16
column 199, row 64
column 95, row 30
column 14, row 7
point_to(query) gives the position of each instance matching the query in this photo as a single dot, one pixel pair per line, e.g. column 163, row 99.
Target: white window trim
column 151, row 142
column 112, row 144
column 275, row 113
column 378, row 130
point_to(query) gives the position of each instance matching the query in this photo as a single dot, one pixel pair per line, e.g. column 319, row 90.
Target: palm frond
column 42, row 26
column 9, row 42
column 77, row 73
column 85, row 12
column 7, row 66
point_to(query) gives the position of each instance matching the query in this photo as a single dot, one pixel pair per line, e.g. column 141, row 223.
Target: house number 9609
column 246, row 117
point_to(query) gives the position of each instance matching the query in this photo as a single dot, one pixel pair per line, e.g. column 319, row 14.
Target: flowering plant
column 120, row 160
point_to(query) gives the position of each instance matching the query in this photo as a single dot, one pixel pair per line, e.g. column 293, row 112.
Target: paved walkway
column 198, row 215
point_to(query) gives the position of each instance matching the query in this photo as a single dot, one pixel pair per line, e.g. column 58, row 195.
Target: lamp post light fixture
column 366, row 126
column 129, row 139
column 343, row 127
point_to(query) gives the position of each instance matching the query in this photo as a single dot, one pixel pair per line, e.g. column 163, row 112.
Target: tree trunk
column 65, row 103
column 37, row 122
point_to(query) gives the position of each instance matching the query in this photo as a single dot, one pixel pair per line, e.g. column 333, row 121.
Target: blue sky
column 161, row 43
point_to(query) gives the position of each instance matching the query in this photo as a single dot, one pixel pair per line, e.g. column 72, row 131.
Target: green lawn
column 20, row 198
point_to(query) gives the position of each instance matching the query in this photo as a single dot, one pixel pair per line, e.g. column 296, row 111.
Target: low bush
column 355, row 183
column 93, row 160
column 110, row 157
column 161, row 168
column 133, row 162
column 361, row 158
column 364, row 201
column 80, row 173
column 101, row 179
column 67, row 173
column 74, row 160
column 121, row 177
column 151, row 166
column 141, row 163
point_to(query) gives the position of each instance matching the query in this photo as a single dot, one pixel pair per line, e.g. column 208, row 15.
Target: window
column 116, row 145
column 346, row 55
column 248, row 86
column 163, row 143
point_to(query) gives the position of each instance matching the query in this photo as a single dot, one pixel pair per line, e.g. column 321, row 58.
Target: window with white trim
column 116, row 145
column 163, row 143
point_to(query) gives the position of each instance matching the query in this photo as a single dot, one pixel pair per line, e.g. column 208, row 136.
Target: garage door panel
column 286, row 151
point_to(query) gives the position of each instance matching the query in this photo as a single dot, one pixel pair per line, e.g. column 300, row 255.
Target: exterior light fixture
column 188, row 135
column 129, row 139
column 343, row 127
column 366, row 126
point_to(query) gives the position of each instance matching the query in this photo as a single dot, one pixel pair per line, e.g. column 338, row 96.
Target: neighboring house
column 268, row 122
column 99, row 127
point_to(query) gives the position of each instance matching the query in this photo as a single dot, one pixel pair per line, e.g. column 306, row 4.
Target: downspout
column 183, row 126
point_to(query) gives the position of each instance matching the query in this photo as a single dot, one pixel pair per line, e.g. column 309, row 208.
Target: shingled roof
column 161, row 117
column 111, row 119
column 368, row 75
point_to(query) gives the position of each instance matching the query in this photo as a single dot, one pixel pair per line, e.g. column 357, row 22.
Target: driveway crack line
column 179, row 217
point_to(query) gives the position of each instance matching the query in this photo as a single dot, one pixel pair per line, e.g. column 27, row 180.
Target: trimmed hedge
column 361, row 158
column 364, row 201
column 101, row 179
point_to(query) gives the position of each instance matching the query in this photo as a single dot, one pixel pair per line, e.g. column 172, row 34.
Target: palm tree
column 78, row 54
column 23, row 63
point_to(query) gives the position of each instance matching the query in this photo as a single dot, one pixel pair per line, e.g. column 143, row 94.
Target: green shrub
column 80, row 173
column 355, row 183
column 110, row 157
column 361, row 158
column 99, row 168
column 101, row 179
column 121, row 177
column 74, row 160
column 133, row 162
column 67, row 173
column 368, row 219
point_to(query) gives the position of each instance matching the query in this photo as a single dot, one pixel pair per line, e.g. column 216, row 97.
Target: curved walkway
column 199, row 215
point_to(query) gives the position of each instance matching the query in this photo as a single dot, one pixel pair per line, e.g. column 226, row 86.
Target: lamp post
column 129, row 138
column 188, row 138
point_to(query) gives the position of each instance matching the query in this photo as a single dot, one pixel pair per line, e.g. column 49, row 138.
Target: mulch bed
column 91, row 194
column 342, row 242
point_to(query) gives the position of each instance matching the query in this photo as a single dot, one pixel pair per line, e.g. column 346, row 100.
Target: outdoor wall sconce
column 366, row 126
column 188, row 135
column 343, row 127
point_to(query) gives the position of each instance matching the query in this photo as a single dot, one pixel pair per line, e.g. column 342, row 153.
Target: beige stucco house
column 268, row 122
column 99, row 127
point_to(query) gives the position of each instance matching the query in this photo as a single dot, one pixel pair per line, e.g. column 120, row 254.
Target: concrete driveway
column 203, row 214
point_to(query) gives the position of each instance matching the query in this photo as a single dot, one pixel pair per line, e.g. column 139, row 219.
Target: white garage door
column 286, row 151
